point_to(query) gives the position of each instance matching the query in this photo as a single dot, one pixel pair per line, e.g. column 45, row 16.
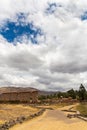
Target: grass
column 82, row 108
column 12, row 111
column 54, row 106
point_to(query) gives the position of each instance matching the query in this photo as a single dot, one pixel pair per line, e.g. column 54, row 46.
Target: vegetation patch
column 82, row 108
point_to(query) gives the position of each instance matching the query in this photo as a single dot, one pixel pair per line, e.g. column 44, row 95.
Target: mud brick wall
column 20, row 96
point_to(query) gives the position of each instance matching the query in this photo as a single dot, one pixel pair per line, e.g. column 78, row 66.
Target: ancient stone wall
column 20, row 96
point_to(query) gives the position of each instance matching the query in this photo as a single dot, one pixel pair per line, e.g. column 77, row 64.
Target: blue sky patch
column 52, row 8
column 84, row 16
column 14, row 30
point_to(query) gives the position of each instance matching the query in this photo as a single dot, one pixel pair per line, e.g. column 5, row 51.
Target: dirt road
column 52, row 120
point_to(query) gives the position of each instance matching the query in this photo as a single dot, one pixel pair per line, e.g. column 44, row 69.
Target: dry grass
column 82, row 107
column 12, row 111
column 53, row 120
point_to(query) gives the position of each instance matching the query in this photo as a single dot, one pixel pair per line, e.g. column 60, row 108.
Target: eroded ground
column 53, row 120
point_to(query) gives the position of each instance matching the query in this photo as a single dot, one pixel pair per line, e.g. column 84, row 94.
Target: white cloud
column 58, row 61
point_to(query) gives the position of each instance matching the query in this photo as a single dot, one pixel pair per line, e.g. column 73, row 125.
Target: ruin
column 30, row 96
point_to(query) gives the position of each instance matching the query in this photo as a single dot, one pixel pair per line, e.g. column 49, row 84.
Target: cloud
column 43, row 43
column 23, row 60
column 51, row 8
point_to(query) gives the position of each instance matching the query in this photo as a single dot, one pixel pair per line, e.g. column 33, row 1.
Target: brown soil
column 53, row 120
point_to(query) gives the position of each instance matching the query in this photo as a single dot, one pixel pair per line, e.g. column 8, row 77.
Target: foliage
column 80, row 94
column 71, row 93
column 42, row 97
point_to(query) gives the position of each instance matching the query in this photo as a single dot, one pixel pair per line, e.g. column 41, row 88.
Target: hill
column 16, row 89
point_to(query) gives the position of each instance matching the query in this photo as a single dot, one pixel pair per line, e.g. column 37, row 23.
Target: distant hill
column 16, row 89
column 24, row 89
column 46, row 92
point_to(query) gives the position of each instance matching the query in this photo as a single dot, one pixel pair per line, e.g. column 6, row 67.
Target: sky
column 43, row 44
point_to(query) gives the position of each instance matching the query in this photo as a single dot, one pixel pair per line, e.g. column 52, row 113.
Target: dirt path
column 52, row 120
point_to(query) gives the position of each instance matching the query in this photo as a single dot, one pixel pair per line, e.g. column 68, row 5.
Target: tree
column 59, row 94
column 42, row 97
column 82, row 93
column 71, row 93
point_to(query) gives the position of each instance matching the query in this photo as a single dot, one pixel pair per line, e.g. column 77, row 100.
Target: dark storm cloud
column 73, row 67
column 23, row 61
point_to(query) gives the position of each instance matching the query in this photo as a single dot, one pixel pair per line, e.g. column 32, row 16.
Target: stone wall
column 20, row 120
column 20, row 96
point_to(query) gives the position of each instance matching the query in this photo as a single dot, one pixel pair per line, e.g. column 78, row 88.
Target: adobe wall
column 20, row 96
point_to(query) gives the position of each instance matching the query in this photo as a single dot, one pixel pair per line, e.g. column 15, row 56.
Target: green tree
column 42, row 97
column 71, row 93
column 82, row 93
